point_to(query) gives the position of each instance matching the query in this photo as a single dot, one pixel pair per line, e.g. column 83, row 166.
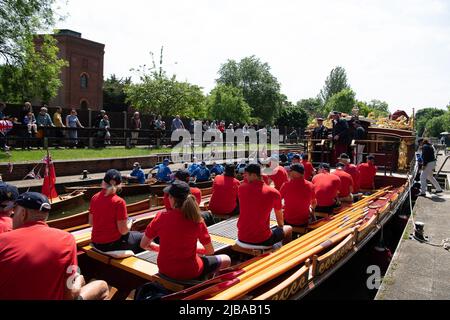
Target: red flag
column 48, row 187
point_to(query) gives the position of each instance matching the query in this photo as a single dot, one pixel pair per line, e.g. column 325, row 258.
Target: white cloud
column 395, row 51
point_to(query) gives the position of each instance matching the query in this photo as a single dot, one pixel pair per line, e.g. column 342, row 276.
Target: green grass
column 76, row 154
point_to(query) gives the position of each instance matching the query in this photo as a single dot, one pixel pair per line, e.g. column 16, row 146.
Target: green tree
column 437, row 125
column 335, row 83
column 424, row 115
column 293, row 116
column 343, row 101
column 166, row 96
column 312, row 106
column 20, row 20
column 260, row 88
column 114, row 92
column 379, row 108
column 227, row 103
column 37, row 76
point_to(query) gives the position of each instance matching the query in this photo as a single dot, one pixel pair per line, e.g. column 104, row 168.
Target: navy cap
column 113, row 175
column 344, row 156
column 370, row 157
column 166, row 160
column 178, row 189
column 297, row 167
column 340, row 165
column 296, row 156
column 34, row 200
column 8, row 192
column 182, row 175
column 253, row 168
column 325, row 166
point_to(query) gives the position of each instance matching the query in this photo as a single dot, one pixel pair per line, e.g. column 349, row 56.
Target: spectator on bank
column 30, row 121
column 99, row 118
column 44, row 119
column 73, row 123
column 192, row 126
column 57, row 120
column 105, row 125
column 135, row 125
column 25, row 110
column 177, row 123
column 206, row 126
column 221, row 126
column 158, row 123
column 2, row 108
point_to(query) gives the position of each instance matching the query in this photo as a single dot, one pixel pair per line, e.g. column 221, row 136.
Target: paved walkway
column 420, row 271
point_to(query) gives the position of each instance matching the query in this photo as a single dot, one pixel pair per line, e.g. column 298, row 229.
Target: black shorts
column 328, row 209
column 210, row 264
column 277, row 236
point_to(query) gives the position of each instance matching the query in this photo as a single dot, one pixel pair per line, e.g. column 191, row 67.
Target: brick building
column 82, row 80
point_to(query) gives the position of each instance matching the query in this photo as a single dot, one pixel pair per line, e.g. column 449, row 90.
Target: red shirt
column 106, row 211
column 367, row 173
column 326, row 186
column 353, row 171
column 33, row 262
column 5, row 224
column 196, row 192
column 298, row 194
column 309, row 169
column 178, row 237
column 256, row 201
column 346, row 182
column 224, row 195
column 279, row 177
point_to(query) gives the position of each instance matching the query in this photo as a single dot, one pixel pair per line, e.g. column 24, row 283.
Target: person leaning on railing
column 73, row 122
column 428, row 166
column 57, row 120
column 43, row 120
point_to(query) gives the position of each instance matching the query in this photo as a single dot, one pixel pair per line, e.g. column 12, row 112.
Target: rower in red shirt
column 346, row 189
column 179, row 229
column 8, row 194
column 256, row 201
column 299, row 197
column 367, row 171
column 183, row 175
column 309, row 169
column 352, row 170
column 224, row 199
column 109, row 218
column 276, row 173
column 38, row 262
column 326, row 187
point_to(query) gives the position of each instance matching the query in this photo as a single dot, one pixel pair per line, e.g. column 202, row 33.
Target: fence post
column 91, row 142
column 45, row 143
column 90, row 117
column 125, row 124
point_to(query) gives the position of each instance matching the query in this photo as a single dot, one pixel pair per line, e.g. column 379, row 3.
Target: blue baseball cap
column 34, row 200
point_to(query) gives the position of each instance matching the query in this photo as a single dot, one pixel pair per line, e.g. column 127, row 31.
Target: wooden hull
column 133, row 189
column 67, row 201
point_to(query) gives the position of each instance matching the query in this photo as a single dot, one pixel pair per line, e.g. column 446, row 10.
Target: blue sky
column 396, row 51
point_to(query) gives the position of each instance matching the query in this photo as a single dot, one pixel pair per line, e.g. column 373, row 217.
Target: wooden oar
column 242, row 287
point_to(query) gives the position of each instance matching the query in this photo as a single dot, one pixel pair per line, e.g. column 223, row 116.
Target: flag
column 48, row 186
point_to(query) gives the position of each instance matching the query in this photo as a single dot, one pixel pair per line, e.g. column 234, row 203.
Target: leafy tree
column 20, row 20
column 379, row 108
column 343, row 101
column 364, row 108
column 114, row 92
column 335, row 83
column 166, row 96
column 37, row 76
column 437, row 125
column 424, row 115
column 260, row 88
column 228, row 103
column 292, row 116
column 312, row 106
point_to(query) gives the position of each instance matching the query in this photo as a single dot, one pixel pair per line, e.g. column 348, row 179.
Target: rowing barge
column 134, row 189
column 287, row 273
column 80, row 220
column 67, row 201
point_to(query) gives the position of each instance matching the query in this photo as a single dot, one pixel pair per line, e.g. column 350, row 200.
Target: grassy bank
column 76, row 154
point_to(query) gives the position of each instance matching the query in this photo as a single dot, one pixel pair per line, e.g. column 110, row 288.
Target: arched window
column 84, row 105
column 84, row 81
